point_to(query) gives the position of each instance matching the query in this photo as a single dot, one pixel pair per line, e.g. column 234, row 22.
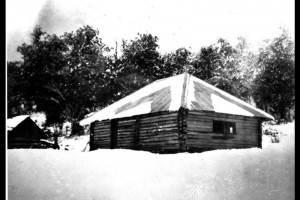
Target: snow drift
column 266, row 173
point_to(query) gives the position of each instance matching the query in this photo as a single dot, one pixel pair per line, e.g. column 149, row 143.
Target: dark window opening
column 224, row 127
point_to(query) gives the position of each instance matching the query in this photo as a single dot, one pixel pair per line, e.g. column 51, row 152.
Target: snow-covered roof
column 169, row 94
column 15, row 121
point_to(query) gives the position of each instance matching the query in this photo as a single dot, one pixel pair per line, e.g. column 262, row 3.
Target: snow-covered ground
column 76, row 143
column 267, row 173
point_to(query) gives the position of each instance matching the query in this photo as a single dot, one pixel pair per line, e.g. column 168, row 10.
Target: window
column 224, row 127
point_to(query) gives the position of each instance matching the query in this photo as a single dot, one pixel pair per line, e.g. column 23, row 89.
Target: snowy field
column 267, row 173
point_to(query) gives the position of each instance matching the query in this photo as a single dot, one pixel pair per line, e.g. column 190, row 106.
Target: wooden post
column 260, row 133
column 92, row 147
column 182, row 128
column 114, row 133
column 136, row 133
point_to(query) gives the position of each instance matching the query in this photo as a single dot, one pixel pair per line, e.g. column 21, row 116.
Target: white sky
column 181, row 23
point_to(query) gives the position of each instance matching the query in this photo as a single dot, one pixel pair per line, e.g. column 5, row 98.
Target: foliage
column 17, row 105
column 246, row 64
column 73, row 74
column 274, row 87
column 138, row 64
column 175, row 63
column 64, row 74
column 206, row 63
column 218, row 64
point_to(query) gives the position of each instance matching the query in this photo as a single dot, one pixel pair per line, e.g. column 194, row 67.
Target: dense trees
column 138, row 63
column 71, row 75
column 274, row 88
column 64, row 75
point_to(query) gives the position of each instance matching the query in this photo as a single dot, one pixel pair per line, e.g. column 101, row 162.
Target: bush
column 270, row 131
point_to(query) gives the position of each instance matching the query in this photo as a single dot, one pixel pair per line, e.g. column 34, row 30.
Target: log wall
column 100, row 135
column 151, row 132
column 174, row 132
column 159, row 133
column 200, row 135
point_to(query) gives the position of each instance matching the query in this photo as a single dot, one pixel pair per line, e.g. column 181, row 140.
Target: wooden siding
column 175, row 132
column 200, row 133
column 125, row 133
column 155, row 132
column 100, row 135
column 159, row 133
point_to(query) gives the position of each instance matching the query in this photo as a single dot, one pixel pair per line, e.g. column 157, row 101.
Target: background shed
column 22, row 132
column 179, row 113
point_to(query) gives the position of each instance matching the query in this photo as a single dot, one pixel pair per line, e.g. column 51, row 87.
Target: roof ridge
column 185, row 90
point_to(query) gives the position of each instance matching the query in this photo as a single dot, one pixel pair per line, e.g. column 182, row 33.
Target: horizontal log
column 163, row 116
column 219, row 142
column 174, row 128
column 158, row 127
column 124, row 123
column 219, row 114
column 129, row 145
column 129, row 120
column 121, row 131
column 128, row 126
column 158, row 134
column 125, row 132
column 101, row 132
column 102, row 125
column 102, row 141
column 211, row 135
column 159, row 120
column 159, row 147
column 193, row 129
column 213, row 114
column 200, row 127
column 166, row 138
column 156, row 139
column 150, row 124
column 220, row 146
column 102, row 138
column 237, row 123
column 101, row 129
column 200, row 123
column 195, row 120
column 125, row 135
column 162, row 134
column 99, row 137
column 159, row 142
column 125, row 139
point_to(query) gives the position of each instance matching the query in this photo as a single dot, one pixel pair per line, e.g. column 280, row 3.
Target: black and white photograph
column 150, row 100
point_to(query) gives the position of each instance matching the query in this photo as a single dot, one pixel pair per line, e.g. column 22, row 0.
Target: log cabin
column 177, row 114
column 23, row 132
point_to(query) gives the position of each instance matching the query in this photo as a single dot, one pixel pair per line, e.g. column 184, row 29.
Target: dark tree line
column 71, row 75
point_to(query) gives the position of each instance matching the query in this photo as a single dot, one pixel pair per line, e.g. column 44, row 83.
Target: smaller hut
column 22, row 132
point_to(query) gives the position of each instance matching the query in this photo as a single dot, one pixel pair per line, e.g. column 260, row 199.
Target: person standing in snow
column 55, row 137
